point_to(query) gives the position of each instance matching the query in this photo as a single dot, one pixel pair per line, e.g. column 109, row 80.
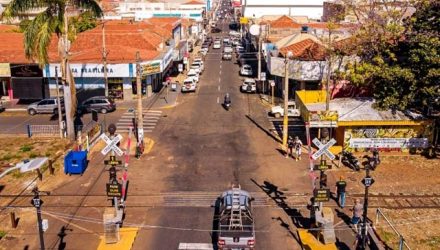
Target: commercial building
column 313, row 9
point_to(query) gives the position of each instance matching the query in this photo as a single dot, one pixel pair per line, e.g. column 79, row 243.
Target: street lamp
column 289, row 56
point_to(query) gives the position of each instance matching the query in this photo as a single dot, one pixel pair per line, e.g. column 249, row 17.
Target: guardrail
column 402, row 242
column 43, row 130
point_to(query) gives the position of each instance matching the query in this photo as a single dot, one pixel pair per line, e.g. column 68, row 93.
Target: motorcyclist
column 227, row 99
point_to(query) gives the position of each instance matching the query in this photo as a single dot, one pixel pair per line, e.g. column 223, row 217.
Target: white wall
column 310, row 8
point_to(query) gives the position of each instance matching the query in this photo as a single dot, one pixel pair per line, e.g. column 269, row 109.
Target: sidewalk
column 166, row 98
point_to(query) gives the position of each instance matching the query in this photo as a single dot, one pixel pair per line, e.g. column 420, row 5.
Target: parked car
column 197, row 66
column 246, row 70
column 234, row 33
column 189, row 85
column 228, row 49
column 101, row 104
column 249, row 86
column 216, row 30
column 278, row 111
column 45, row 106
column 227, row 56
column 226, row 40
column 193, row 74
column 217, row 45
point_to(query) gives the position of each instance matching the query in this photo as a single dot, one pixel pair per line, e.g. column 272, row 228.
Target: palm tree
column 52, row 20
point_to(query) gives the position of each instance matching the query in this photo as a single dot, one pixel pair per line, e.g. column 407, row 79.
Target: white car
column 238, row 48
column 249, row 86
column 189, row 85
column 227, row 49
column 246, row 70
column 199, row 60
column 226, row 40
column 197, row 66
column 217, row 45
column 292, row 111
column 234, row 33
column 193, row 74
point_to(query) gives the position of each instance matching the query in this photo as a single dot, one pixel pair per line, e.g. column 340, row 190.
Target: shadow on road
column 263, row 129
column 295, row 215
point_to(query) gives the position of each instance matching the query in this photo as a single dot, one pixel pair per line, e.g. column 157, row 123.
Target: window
column 44, row 102
column 50, row 102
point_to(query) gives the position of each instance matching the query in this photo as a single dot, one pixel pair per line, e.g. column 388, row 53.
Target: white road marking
column 218, row 88
column 218, row 99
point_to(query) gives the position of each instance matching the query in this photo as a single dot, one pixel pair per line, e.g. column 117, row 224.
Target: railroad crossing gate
column 323, row 149
column 112, row 145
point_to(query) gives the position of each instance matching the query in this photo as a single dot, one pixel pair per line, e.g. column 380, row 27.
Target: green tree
column 402, row 64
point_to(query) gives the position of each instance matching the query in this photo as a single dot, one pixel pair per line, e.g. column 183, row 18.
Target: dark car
column 216, row 30
column 101, row 104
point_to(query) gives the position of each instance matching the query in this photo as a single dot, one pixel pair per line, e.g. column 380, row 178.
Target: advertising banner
column 389, row 143
column 323, row 119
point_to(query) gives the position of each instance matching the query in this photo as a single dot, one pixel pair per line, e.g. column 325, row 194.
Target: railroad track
column 208, row 199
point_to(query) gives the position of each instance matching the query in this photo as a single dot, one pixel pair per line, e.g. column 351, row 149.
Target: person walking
column 358, row 210
column 298, row 145
column 290, row 145
column 340, row 191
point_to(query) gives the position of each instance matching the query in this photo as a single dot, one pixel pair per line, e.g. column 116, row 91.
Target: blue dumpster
column 75, row 162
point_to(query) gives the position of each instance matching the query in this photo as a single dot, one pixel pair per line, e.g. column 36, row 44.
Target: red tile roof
column 194, row 3
column 284, row 22
column 306, row 50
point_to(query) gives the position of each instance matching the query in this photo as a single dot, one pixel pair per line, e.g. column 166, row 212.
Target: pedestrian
column 358, row 210
column 340, row 191
column 298, row 145
column 290, row 145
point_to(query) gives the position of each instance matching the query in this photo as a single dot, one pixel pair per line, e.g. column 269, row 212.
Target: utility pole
column 60, row 111
column 37, row 202
column 367, row 181
column 104, row 58
column 140, row 123
column 67, row 88
column 286, row 99
column 259, row 56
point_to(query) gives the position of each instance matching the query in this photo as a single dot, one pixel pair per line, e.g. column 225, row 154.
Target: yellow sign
column 151, row 68
column 321, row 119
column 244, row 20
column 5, row 70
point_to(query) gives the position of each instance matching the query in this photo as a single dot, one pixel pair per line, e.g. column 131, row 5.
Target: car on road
column 234, row 33
column 216, row 30
column 246, row 70
column 193, row 74
column 189, row 85
column 226, row 40
column 45, row 106
column 217, row 45
column 227, row 49
column 101, row 104
column 249, row 85
column 227, row 56
column 197, row 66
column 292, row 111
column 235, row 220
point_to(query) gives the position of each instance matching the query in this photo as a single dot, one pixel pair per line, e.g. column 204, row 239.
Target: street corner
column 127, row 236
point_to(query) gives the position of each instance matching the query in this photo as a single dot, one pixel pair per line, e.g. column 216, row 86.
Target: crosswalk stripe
column 150, row 120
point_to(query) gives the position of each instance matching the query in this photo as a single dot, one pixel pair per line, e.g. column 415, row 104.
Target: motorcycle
column 349, row 160
column 227, row 105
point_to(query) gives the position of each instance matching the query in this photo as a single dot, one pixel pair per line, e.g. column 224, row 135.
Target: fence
column 43, row 130
column 402, row 242
column 87, row 136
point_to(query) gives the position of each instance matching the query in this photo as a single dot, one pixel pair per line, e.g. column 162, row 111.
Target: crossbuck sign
column 323, row 149
column 112, row 145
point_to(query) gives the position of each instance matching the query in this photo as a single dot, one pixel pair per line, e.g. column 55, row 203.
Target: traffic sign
column 111, row 145
column 36, row 202
column 112, row 161
column 367, row 181
column 180, row 67
column 323, row 149
column 114, row 189
column 322, row 166
column 263, row 76
column 321, row 195
column 272, row 83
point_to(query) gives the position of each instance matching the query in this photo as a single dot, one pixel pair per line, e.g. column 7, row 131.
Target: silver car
column 45, row 106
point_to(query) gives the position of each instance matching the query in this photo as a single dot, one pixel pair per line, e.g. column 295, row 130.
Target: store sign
column 151, row 68
column 91, row 70
column 5, row 70
column 323, row 119
column 167, row 59
column 388, row 143
column 26, row 70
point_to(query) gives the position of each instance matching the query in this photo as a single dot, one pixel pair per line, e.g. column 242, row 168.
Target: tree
column 52, row 20
column 399, row 58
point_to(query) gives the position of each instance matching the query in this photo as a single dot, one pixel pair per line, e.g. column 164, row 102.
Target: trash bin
column 75, row 162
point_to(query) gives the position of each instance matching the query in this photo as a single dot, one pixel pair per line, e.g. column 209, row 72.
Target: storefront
column 5, row 80
column 27, row 82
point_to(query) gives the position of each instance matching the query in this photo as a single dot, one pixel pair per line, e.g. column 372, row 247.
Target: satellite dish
column 255, row 29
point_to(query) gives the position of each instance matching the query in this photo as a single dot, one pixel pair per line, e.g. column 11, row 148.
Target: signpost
column 367, row 181
column 114, row 189
column 272, row 86
column 112, row 161
column 321, row 194
column 263, row 76
column 180, row 67
column 112, row 145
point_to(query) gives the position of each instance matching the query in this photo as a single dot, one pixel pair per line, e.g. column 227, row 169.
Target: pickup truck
column 236, row 222
column 292, row 111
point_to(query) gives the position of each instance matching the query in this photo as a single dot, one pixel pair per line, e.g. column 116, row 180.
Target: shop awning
column 5, row 70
